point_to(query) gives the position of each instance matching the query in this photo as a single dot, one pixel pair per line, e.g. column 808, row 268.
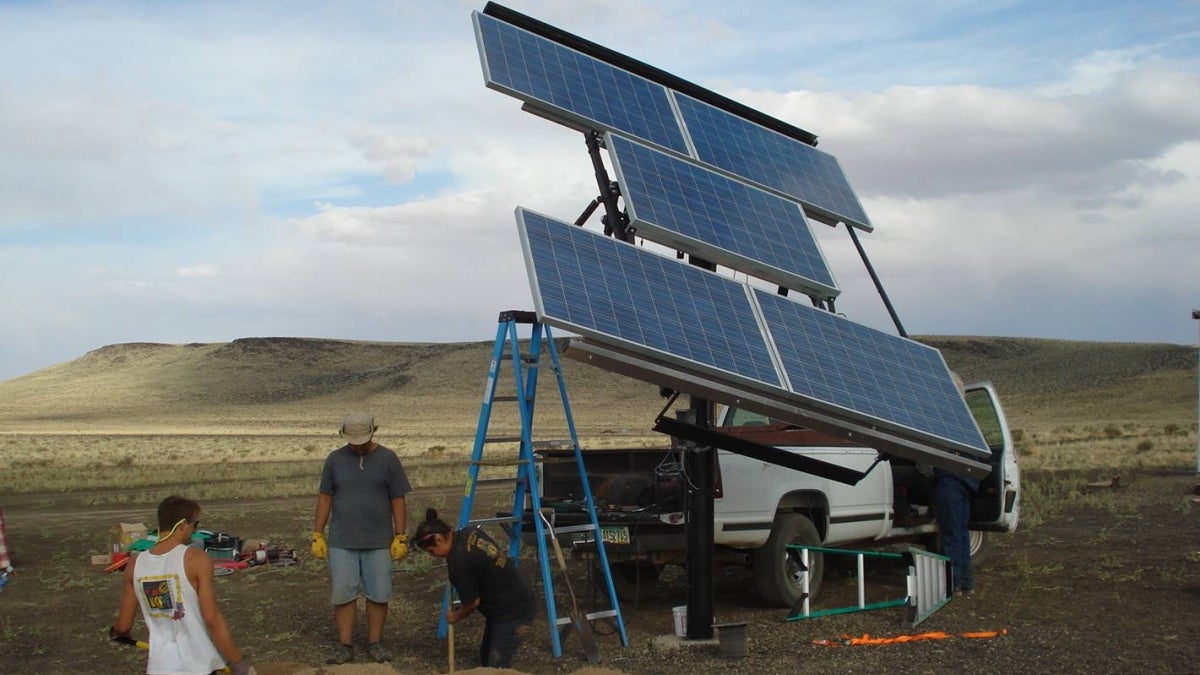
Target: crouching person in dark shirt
column 485, row 579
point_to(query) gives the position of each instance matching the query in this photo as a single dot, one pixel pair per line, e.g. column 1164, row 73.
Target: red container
column 5, row 561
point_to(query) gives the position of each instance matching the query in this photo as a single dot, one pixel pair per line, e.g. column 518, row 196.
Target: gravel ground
column 1110, row 584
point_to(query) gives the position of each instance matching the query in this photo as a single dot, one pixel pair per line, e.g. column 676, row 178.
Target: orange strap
column 866, row 639
column 985, row 633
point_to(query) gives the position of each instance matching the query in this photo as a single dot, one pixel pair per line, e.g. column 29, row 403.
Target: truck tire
column 633, row 581
column 777, row 569
column 981, row 546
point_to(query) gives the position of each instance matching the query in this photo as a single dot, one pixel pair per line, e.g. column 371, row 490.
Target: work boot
column 378, row 652
column 341, row 654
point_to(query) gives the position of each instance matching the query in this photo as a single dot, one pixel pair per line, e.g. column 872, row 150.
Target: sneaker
column 341, row 654
column 378, row 652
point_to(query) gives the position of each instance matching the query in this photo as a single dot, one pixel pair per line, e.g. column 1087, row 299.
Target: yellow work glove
column 319, row 548
column 400, row 547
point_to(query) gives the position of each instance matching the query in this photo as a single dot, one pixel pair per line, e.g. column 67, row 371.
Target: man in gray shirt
column 362, row 499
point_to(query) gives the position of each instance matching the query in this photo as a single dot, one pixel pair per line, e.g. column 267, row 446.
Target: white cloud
column 1096, row 72
column 197, row 271
column 211, row 171
column 399, row 155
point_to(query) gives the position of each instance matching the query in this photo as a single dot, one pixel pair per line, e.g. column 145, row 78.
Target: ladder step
column 506, row 398
column 489, row 521
column 586, row 527
column 590, row 616
column 500, row 462
column 537, row 445
column 556, row 460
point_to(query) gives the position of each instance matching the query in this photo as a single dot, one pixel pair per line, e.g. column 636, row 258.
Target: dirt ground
column 1105, row 584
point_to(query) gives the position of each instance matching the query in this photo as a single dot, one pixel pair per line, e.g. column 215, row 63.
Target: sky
column 186, row 172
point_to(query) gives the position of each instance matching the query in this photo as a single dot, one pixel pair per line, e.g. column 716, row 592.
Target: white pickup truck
column 760, row 508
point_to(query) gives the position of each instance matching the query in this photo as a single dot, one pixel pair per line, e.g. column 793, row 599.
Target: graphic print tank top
column 179, row 641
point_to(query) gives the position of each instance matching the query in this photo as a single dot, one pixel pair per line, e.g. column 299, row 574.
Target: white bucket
column 680, row 616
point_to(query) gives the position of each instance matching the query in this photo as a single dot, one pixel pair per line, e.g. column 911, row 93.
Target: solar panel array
column 716, row 184
column 591, row 94
column 683, row 205
column 618, row 293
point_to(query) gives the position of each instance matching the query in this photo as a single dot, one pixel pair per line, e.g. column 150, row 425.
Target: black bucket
column 732, row 640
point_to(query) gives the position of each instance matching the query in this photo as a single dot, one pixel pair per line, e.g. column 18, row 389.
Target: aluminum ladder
column 927, row 590
column 525, row 376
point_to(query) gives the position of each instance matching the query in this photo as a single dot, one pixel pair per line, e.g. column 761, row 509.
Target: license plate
column 615, row 534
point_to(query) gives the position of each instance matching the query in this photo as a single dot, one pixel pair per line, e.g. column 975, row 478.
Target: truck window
column 980, row 404
column 744, row 418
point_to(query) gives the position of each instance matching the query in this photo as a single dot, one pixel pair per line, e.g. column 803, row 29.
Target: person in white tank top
column 173, row 584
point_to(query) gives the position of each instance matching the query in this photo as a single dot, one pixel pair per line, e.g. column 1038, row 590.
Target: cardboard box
column 124, row 534
column 105, row 559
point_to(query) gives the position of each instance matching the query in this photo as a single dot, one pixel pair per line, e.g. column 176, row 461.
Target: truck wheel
column 633, row 581
column 981, row 546
column 777, row 569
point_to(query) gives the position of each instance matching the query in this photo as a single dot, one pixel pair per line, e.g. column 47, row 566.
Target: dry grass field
column 267, row 408
column 244, row 427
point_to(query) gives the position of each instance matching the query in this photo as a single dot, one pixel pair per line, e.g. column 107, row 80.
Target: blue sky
column 199, row 172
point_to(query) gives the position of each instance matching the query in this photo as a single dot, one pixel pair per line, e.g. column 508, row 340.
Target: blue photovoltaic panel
column 551, row 76
column 891, row 379
column 607, row 289
column 773, row 160
column 680, row 204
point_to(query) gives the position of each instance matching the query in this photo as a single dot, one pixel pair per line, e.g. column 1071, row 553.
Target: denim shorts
column 370, row 568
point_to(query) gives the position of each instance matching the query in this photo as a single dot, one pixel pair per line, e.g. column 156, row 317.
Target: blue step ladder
column 525, row 377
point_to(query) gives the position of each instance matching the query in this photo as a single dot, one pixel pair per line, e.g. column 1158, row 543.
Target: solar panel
column 876, row 376
column 583, row 90
column 677, row 203
column 792, row 168
column 601, row 287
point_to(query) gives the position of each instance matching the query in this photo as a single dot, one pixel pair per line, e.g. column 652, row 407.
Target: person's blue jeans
column 500, row 642
column 953, row 513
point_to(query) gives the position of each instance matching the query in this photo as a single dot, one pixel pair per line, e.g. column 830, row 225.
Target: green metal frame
column 916, row 593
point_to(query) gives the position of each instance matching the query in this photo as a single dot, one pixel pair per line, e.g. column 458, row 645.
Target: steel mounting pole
column 1196, row 489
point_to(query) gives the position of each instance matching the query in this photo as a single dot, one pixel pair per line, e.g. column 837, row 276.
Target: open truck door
column 996, row 506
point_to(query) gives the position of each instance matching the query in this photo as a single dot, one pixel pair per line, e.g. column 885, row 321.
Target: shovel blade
column 587, row 638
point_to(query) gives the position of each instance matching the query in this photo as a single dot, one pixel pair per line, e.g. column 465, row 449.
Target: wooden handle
column 450, row 630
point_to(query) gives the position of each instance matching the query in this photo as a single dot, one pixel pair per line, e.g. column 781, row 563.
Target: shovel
column 127, row 640
column 450, row 629
column 583, row 628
